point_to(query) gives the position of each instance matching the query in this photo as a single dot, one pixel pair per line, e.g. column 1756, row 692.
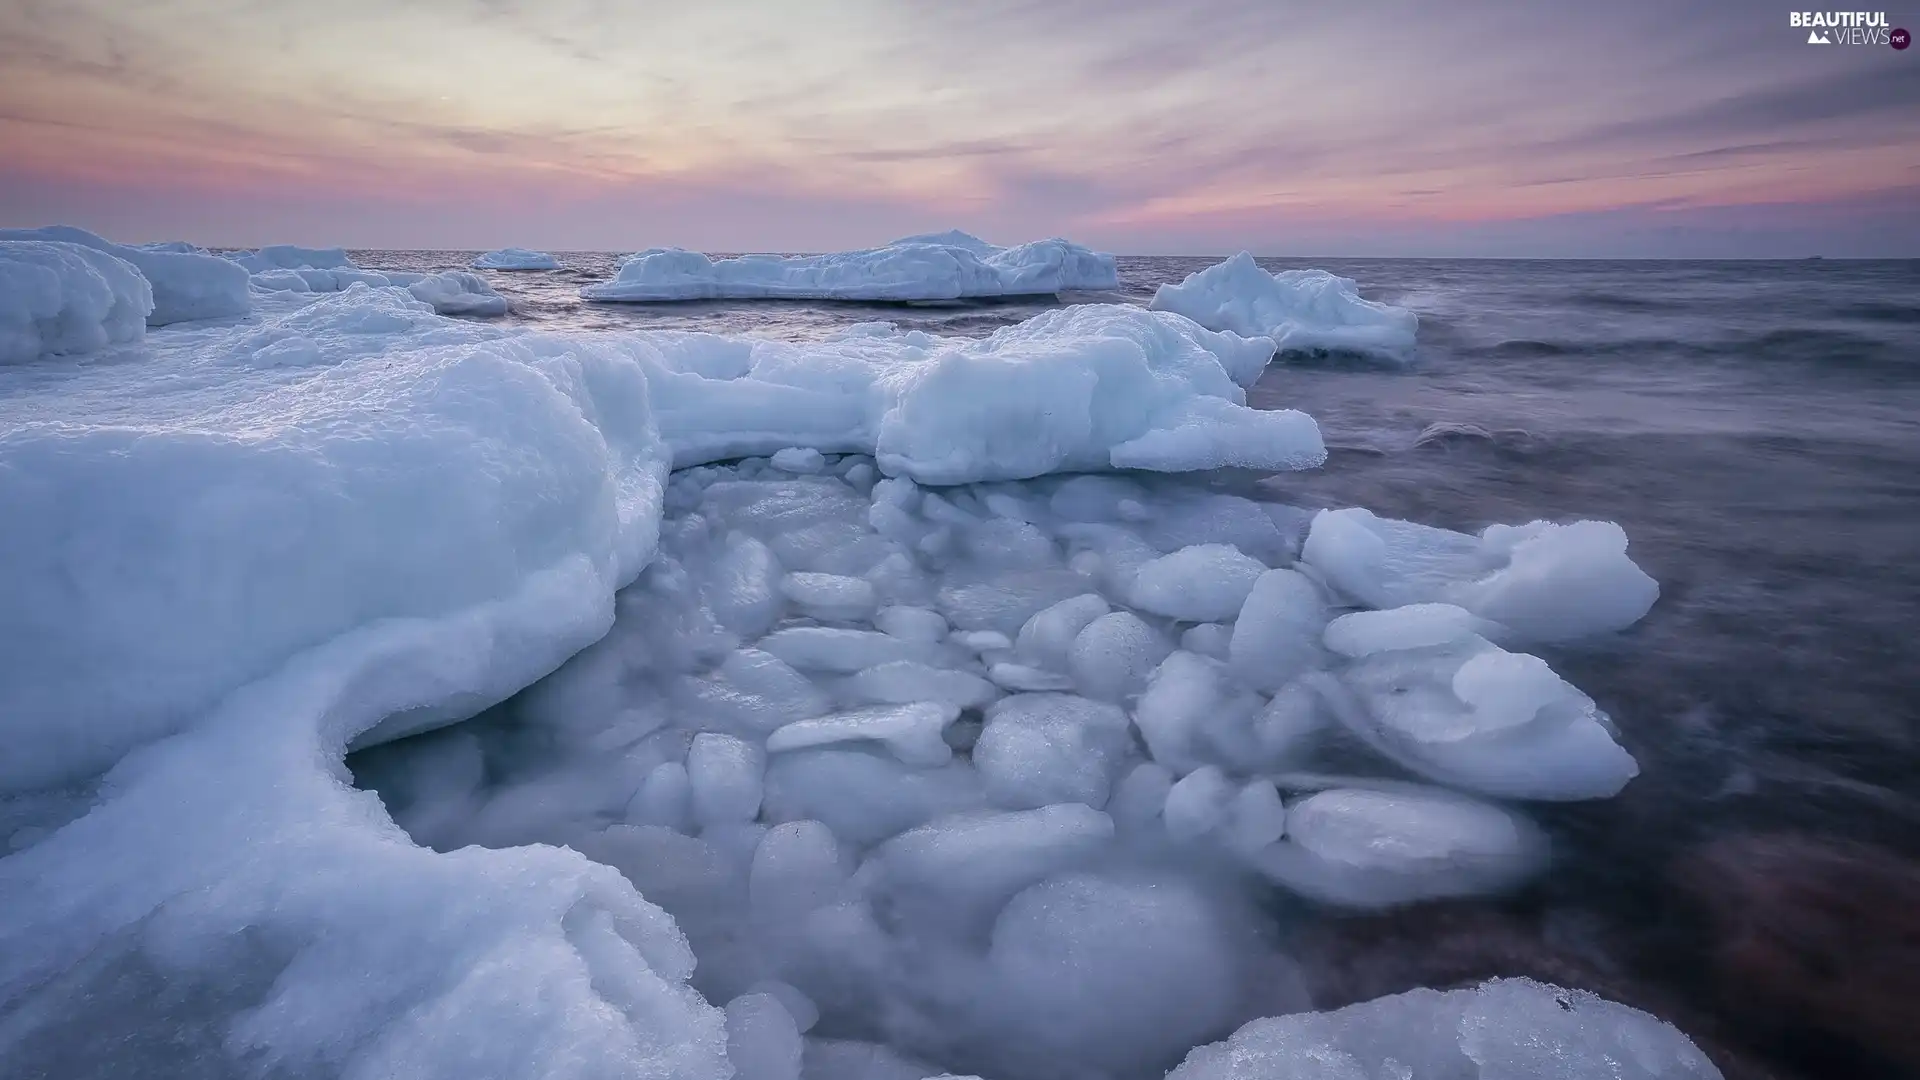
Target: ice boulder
column 59, row 299
column 187, row 283
column 516, row 259
column 456, row 292
column 1302, row 311
column 1200, row 583
column 1041, row 749
column 917, row 269
column 293, row 257
column 1541, row 581
column 1364, row 848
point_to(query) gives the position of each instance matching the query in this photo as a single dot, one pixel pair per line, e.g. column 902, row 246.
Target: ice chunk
column 1416, row 626
column 664, row 799
column 797, row 868
column 63, row 298
column 1112, row 657
column 457, row 292
column 1040, row 749
column 849, row 1059
column 1505, row 1029
column 799, row 459
column 1047, row 638
column 762, row 1041
column 1141, row 796
column 915, row 624
column 983, row 641
column 1255, row 818
column 1288, row 722
column 1198, row 804
column 905, row 270
column 799, row 1006
column 514, row 258
column 741, row 586
column 821, row 648
column 293, row 257
column 1543, row 582
column 186, row 283
column 830, row 596
column 962, row 865
column 1203, row 583
column 905, row 681
column 1208, row 639
column 1372, row 849
column 753, row 692
column 865, row 797
column 1191, row 711
column 725, row 776
column 1022, row 677
column 911, row 732
column 1277, row 636
column 1302, row 311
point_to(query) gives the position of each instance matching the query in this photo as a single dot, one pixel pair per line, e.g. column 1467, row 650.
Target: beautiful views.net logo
column 1848, row 28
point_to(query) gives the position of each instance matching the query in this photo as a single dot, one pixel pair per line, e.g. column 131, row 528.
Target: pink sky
column 1202, row 127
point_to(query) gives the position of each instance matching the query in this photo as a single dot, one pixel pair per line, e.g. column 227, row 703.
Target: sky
column 1672, row 128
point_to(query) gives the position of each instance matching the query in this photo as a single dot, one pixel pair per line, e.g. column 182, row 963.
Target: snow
column 949, row 266
column 675, row 760
column 1504, row 1029
column 58, row 299
column 1302, row 311
column 516, row 259
column 187, row 283
column 456, row 292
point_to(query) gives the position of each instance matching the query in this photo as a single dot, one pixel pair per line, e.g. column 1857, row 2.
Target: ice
column 186, row 283
column 1041, row 749
column 1046, row 639
column 1192, row 711
column 910, row 732
column 799, row 459
column 1374, row 849
column 904, row 681
column 457, row 292
column 955, row 868
column 1140, row 798
column 762, row 1041
column 1277, row 635
column 797, row 868
column 753, row 692
column 1202, row 583
column 1415, row 626
column 665, row 799
column 799, row 1006
column 1256, row 817
column 949, row 267
column 58, row 298
column 1542, row 581
column 821, row 648
column 724, row 774
column 1113, row 656
column 293, row 257
column 1505, row 1029
column 1022, row 677
column 865, row 798
column 743, row 586
column 836, row 597
column 514, row 258
column 1198, row 803
column 1302, row 311
column 1208, row 639
column 912, row 623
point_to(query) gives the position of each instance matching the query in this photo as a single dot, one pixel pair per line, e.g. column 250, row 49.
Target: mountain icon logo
column 1815, row 37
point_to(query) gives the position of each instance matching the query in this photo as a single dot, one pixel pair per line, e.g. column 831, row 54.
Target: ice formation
column 456, row 292
column 948, row 266
column 59, row 299
column 863, row 739
column 1303, row 311
column 516, row 259
column 187, row 283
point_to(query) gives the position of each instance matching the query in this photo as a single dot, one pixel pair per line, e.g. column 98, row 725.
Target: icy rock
column 905, row 681
column 60, row 299
column 797, row 868
column 514, row 258
column 762, row 1041
column 1047, row 638
column 1504, row 1029
column 1041, row 749
column 830, row 596
column 963, row 865
column 799, row 459
column 821, row 648
column 1375, row 849
column 1112, row 657
column 1277, row 636
column 1141, row 796
column 910, row 732
column 457, row 292
column 1256, row 817
column 1415, row 626
column 1202, row 583
column 186, row 283
column 1208, row 639
column 916, row 624
column 1302, row 311
column 725, row 775
column 864, row 797
column 1198, row 804
column 1542, row 581
column 664, row 799
column 1191, row 711
column 753, row 692
column 742, row 586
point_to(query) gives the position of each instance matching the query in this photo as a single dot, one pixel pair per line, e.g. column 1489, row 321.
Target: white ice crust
column 187, row 283
column 62, row 299
column 514, row 258
column 1303, row 311
column 888, row 727
column 947, row 266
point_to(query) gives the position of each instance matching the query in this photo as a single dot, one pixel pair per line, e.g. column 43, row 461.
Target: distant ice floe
column 516, row 259
column 457, row 292
column 187, row 283
column 1303, row 311
column 851, row 692
column 945, row 266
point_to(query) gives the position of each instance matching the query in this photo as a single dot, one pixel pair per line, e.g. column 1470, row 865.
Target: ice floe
column 187, row 283
column 516, row 259
column 1303, row 311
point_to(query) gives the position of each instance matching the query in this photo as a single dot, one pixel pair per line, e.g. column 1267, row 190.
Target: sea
column 1755, row 429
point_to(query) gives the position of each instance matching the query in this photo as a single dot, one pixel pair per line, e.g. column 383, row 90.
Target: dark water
column 1755, row 428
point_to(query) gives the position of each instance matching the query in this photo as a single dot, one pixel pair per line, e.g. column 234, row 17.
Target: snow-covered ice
column 187, row 283
column 730, row 704
column 514, row 258
column 456, row 292
column 61, row 299
column 948, row 266
column 1302, row 311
